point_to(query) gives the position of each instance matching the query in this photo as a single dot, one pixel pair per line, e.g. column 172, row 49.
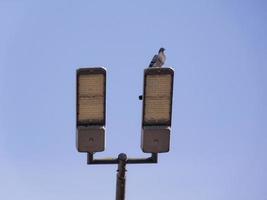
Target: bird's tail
column 153, row 61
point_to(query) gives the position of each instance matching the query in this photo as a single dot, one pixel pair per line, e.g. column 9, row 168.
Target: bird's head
column 161, row 49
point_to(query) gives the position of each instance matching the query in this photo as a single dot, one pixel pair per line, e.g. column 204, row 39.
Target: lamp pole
column 120, row 186
column 121, row 161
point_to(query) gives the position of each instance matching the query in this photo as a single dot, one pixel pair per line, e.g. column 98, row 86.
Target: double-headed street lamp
column 91, row 118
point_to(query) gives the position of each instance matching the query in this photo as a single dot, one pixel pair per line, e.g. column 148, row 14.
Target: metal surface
column 92, row 161
column 120, row 183
column 90, row 138
column 155, row 139
column 122, row 160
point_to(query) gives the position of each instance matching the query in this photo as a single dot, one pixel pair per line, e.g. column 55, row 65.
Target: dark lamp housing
column 91, row 109
column 157, row 110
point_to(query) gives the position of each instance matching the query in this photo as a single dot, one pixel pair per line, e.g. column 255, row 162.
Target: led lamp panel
column 91, row 97
column 158, row 97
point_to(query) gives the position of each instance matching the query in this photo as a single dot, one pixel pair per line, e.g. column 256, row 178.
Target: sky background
column 219, row 132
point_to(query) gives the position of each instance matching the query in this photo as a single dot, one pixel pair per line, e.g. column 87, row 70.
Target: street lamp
column 91, row 117
column 157, row 109
column 91, row 109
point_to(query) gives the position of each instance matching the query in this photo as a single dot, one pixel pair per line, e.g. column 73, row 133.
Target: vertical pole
column 120, row 186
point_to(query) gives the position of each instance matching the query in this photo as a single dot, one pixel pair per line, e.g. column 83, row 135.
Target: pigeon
column 158, row 59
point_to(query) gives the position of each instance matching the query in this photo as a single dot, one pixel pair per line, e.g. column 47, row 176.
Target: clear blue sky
column 219, row 133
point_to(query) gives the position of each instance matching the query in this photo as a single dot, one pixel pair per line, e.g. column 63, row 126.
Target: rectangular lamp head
column 91, row 96
column 91, row 109
column 157, row 97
